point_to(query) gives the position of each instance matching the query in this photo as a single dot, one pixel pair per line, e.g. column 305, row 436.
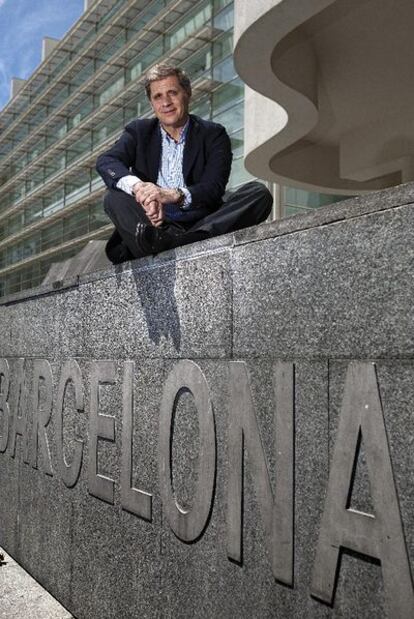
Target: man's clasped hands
column 152, row 198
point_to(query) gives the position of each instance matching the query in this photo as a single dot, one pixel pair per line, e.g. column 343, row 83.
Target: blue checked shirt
column 171, row 170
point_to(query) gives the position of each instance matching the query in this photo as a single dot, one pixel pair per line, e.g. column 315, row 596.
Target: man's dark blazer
column 206, row 161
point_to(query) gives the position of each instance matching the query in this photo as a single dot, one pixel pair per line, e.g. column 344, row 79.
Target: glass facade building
column 76, row 104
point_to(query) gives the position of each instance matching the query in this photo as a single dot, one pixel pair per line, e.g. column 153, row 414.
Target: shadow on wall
column 157, row 297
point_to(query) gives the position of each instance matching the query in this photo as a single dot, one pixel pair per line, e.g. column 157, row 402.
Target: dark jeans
column 247, row 206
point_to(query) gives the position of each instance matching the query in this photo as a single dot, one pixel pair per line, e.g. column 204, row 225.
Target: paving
column 21, row 597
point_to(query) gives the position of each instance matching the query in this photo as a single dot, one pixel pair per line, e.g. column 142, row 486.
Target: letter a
column 277, row 508
column 380, row 536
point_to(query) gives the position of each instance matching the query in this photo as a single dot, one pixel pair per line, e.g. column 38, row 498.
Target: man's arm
column 115, row 163
column 114, row 167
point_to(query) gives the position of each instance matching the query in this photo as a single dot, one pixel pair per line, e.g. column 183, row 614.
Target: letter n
column 277, row 510
column 380, row 535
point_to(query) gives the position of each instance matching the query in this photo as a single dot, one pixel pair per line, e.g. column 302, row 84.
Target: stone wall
column 127, row 396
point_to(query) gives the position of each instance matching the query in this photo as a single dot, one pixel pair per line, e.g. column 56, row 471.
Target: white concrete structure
column 48, row 45
column 331, row 100
column 16, row 85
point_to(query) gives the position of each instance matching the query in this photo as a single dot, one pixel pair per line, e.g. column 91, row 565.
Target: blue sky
column 23, row 24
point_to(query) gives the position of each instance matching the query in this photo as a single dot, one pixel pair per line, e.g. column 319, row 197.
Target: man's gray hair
column 161, row 71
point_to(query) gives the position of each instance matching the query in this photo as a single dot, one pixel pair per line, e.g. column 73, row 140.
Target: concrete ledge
column 124, row 397
column 350, row 208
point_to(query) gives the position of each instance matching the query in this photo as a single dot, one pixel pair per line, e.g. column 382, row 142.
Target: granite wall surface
column 127, row 396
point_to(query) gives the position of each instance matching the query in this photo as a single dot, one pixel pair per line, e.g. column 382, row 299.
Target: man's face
column 169, row 102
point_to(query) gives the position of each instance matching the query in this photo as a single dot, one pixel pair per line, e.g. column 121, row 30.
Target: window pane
column 225, row 19
column 53, row 203
column 202, row 108
column 198, row 65
column 232, row 119
column 33, row 213
column 239, row 174
column 223, row 47
column 189, row 27
column 112, row 48
column 75, row 225
column 300, row 200
column 227, row 95
column 144, row 16
column 111, row 90
column 97, row 217
column 83, row 110
column 237, row 144
column 107, row 127
column 52, row 235
column 152, row 54
column 224, row 71
column 220, row 4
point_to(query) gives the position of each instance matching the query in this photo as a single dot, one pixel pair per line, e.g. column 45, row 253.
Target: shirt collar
column 183, row 133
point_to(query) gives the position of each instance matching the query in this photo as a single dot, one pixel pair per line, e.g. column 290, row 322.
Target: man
column 167, row 176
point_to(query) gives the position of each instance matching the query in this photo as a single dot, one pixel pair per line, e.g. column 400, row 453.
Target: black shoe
column 151, row 240
column 119, row 254
column 116, row 251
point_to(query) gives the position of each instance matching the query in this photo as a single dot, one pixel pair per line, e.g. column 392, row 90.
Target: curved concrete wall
column 126, row 397
column 330, row 97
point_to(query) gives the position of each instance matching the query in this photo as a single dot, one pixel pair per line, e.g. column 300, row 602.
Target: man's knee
column 262, row 197
column 260, row 190
column 108, row 201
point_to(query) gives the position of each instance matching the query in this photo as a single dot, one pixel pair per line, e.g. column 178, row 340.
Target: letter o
column 187, row 525
column 69, row 472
